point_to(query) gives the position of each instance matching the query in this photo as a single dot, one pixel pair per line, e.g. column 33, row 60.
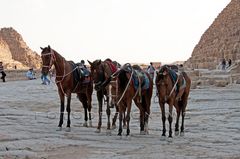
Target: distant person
column 30, row 74
column 82, row 64
column 15, row 67
column 180, row 68
column 151, row 70
column 223, row 64
column 229, row 62
column 45, row 79
column 2, row 72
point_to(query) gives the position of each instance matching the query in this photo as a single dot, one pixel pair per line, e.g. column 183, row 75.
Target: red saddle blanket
column 112, row 66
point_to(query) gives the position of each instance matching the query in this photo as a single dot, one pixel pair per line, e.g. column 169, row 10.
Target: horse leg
column 124, row 119
column 115, row 118
column 120, row 122
column 108, row 112
column 163, row 118
column 147, row 114
column 100, row 103
column 68, row 111
column 85, row 105
column 89, row 103
column 170, row 119
column 142, row 122
column 184, row 104
column 61, row 95
column 178, row 109
column 83, row 99
column 128, row 116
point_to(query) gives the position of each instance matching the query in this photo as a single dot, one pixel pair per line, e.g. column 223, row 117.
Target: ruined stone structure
column 221, row 40
column 15, row 52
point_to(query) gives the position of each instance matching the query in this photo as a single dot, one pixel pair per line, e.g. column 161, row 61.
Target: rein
column 175, row 84
column 52, row 60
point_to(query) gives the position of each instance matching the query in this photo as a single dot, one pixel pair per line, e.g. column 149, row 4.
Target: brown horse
column 69, row 80
column 102, row 71
column 172, row 89
column 134, row 84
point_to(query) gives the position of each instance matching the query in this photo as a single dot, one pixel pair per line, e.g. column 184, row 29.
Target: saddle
column 80, row 73
column 139, row 78
column 177, row 76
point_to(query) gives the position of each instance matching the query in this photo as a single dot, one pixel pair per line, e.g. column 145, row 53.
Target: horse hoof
column 128, row 137
column 90, row 123
column 162, row 138
column 146, row 131
column 142, row 133
column 59, row 129
column 170, row 139
column 85, row 124
column 98, row 131
column 108, row 132
column 68, row 129
column 114, row 127
column 182, row 133
column 176, row 133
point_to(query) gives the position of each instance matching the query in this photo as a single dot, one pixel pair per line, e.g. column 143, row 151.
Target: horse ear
column 90, row 63
column 99, row 62
column 49, row 47
column 41, row 48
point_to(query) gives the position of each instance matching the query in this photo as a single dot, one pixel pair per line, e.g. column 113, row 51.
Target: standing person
column 45, row 79
column 223, row 64
column 229, row 62
column 151, row 70
column 2, row 71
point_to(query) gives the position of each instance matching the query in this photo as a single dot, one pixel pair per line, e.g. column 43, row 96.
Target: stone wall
column 221, row 40
column 16, row 75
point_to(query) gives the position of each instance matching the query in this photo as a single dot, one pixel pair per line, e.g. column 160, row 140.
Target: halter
column 52, row 59
column 174, row 86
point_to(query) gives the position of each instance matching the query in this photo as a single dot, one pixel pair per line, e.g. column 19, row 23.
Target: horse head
column 97, row 72
column 163, row 80
column 48, row 59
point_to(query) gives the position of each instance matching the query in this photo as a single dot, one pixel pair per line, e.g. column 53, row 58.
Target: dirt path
column 29, row 116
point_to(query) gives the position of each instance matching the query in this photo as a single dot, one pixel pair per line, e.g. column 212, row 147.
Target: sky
column 139, row 31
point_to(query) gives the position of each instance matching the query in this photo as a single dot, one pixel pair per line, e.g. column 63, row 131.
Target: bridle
column 174, row 86
column 100, row 75
column 52, row 59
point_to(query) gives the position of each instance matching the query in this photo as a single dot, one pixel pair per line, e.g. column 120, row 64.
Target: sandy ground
column 29, row 117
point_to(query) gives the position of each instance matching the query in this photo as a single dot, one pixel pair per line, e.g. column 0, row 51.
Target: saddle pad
column 112, row 66
column 145, row 83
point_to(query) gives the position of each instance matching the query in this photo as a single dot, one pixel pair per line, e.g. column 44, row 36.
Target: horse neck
column 107, row 70
column 59, row 64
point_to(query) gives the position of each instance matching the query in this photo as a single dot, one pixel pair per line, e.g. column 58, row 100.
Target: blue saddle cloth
column 174, row 77
column 144, row 80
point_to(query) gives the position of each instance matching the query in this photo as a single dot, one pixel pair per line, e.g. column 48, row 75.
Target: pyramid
column 15, row 52
column 220, row 40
